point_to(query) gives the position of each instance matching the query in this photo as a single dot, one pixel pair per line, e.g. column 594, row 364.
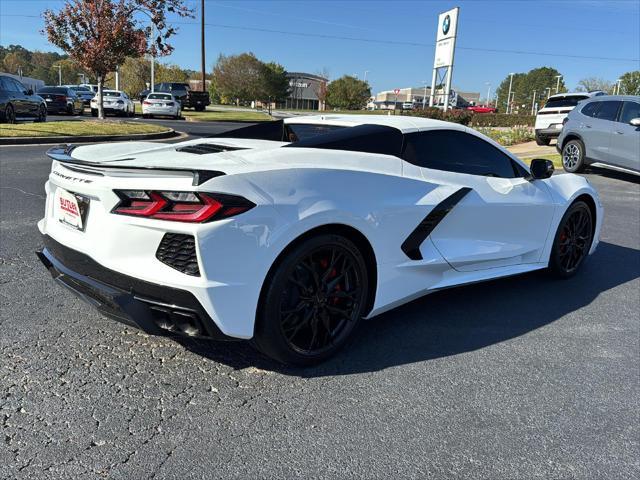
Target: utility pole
column 509, row 94
column 203, row 67
column 533, row 102
column 488, row 92
column 59, row 67
column 558, row 77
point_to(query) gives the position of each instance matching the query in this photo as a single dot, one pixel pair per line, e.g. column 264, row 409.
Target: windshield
column 565, row 101
column 302, row 131
column 60, row 90
column 159, row 96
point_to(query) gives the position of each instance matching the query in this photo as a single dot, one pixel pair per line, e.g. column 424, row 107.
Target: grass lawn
column 77, row 128
column 556, row 158
column 210, row 115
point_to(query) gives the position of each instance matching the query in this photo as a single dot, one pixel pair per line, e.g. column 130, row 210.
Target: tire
column 323, row 284
column 42, row 114
column 94, row 112
column 9, row 114
column 132, row 113
column 542, row 141
column 144, row 115
column 573, row 156
column 69, row 110
column 572, row 241
column 81, row 111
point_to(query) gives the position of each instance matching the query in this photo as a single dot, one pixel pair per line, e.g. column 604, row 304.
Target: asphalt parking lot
column 522, row 378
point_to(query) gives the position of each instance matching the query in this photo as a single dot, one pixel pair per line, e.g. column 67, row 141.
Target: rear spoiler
column 62, row 154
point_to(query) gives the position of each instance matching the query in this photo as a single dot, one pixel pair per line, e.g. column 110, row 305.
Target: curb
column 86, row 138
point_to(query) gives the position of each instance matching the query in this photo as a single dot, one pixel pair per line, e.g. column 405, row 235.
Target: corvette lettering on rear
column 71, row 179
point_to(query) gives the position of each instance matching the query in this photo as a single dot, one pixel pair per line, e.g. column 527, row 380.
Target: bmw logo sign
column 446, row 23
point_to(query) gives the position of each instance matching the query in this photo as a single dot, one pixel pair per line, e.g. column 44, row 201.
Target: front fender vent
column 179, row 251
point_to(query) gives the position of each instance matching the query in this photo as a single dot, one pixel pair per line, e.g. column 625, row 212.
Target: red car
column 481, row 109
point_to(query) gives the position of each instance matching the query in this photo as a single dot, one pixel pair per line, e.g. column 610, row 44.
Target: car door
column 624, row 149
column 597, row 130
column 499, row 218
column 19, row 97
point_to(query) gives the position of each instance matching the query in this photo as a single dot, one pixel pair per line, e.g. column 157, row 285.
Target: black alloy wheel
column 9, row 114
column 314, row 301
column 573, row 240
column 42, row 114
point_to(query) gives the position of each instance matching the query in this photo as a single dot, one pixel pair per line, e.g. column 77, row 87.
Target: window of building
column 456, row 151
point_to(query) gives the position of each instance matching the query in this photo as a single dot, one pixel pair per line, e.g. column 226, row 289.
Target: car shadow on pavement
column 454, row 321
column 607, row 173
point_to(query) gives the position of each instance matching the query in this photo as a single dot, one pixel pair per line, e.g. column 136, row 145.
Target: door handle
column 588, row 126
column 619, row 133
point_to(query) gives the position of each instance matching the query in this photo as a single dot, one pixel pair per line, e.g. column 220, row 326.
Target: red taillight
column 61, row 97
column 193, row 207
column 146, row 103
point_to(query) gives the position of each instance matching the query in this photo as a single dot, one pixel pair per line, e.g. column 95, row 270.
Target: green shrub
column 502, row 120
column 456, row 116
column 512, row 136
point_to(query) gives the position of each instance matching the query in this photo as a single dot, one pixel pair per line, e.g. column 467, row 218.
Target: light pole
column 365, row 75
column 59, row 67
column 81, row 75
column 509, row 94
column 558, row 77
column 533, row 102
column 202, row 55
column 488, row 92
column 153, row 60
column 424, row 97
column 549, row 92
column 618, row 85
column 117, row 78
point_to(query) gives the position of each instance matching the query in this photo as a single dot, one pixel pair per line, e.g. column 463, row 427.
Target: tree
column 101, row 34
column 543, row 80
column 238, row 78
column 348, row 93
column 592, row 83
column 275, row 82
column 630, row 83
column 169, row 72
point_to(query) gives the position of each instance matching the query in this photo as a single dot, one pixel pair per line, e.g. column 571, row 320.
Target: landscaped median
column 80, row 131
column 211, row 115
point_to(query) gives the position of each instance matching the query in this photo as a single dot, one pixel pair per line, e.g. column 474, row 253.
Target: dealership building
column 389, row 100
column 305, row 92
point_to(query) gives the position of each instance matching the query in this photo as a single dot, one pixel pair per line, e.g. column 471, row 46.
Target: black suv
column 182, row 92
column 18, row 102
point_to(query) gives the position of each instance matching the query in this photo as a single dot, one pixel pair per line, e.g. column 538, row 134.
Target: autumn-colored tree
column 100, row 34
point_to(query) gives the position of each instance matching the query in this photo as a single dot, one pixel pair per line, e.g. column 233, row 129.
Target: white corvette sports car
column 290, row 232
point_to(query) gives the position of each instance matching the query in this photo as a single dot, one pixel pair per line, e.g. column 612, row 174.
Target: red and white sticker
column 67, row 209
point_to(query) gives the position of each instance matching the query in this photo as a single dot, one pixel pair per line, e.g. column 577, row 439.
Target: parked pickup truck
column 188, row 98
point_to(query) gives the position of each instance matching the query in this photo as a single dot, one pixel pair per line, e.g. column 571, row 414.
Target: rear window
column 60, row 90
column 80, row 89
column 303, row 131
column 565, row 101
column 179, row 86
column 111, row 93
column 159, row 96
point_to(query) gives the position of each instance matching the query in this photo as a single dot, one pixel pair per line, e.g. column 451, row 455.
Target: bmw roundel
column 446, row 23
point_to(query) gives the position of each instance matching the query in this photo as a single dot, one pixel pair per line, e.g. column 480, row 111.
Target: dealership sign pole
column 445, row 48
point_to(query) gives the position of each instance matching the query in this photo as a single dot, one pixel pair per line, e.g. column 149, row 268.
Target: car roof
column 634, row 98
column 404, row 123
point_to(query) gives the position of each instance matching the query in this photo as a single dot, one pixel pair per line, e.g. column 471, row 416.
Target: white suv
column 550, row 117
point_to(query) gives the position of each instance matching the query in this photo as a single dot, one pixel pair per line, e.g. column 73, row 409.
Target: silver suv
column 603, row 132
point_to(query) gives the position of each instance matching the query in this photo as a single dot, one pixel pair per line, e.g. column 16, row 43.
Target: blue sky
column 564, row 28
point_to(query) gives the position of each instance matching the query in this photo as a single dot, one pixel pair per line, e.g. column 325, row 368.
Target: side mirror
column 635, row 122
column 541, row 168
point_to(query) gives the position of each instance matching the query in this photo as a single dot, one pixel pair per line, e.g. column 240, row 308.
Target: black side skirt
column 411, row 246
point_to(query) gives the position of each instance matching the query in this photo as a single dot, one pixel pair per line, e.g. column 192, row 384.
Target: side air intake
column 205, row 148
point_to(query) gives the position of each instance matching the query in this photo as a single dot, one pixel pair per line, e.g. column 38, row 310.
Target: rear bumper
column 155, row 309
column 548, row 132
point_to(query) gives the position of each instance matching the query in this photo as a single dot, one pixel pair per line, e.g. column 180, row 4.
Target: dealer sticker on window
column 70, row 209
